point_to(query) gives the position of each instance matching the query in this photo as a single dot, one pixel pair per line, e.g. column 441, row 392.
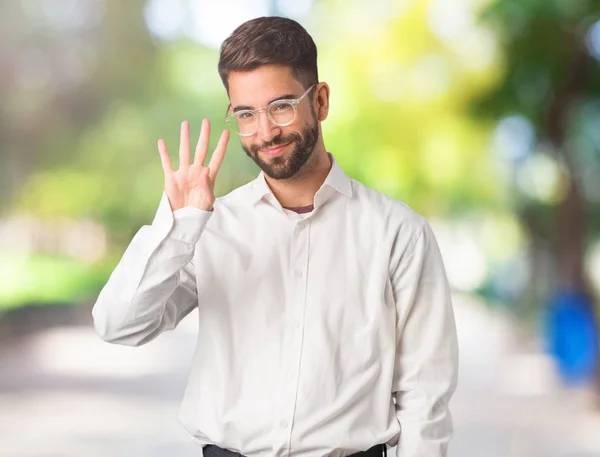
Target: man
column 326, row 326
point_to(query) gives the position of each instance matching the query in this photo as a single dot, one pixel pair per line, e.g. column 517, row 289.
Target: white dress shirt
column 319, row 335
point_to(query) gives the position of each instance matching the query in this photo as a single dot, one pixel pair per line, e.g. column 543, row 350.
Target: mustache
column 277, row 141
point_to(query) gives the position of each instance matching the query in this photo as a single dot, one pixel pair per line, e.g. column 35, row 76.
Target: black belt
column 211, row 450
column 378, row 450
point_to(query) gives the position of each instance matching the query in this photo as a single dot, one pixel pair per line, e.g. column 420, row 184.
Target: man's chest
column 329, row 265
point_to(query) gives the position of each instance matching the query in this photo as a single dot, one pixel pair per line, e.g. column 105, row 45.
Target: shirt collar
column 336, row 179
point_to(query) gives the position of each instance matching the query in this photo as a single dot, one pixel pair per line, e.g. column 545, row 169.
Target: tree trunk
column 570, row 216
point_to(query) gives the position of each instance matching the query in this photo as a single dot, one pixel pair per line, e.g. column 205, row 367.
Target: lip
column 274, row 151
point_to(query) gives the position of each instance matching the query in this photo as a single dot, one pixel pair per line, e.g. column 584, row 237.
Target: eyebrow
column 247, row 107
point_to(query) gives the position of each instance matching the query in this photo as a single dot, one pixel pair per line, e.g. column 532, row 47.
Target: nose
column 266, row 129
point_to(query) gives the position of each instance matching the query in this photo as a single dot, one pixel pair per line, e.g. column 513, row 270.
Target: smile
column 274, row 151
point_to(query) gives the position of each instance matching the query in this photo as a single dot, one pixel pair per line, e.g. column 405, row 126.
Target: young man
column 326, row 326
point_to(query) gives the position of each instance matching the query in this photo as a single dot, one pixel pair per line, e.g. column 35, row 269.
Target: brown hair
column 270, row 41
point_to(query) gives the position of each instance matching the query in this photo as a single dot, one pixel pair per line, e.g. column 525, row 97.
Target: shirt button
column 298, row 274
column 290, row 375
column 284, row 424
column 296, row 324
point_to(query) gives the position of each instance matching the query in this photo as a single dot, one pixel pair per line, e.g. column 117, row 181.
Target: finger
column 164, row 157
column 217, row 158
column 184, row 145
column 202, row 146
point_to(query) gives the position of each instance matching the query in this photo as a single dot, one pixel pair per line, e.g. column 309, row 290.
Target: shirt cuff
column 189, row 212
column 188, row 224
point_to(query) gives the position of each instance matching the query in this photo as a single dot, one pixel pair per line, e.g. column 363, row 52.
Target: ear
column 322, row 101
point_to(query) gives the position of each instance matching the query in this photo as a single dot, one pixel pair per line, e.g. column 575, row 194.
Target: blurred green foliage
column 552, row 81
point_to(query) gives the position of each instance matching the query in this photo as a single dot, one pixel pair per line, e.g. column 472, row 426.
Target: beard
column 284, row 167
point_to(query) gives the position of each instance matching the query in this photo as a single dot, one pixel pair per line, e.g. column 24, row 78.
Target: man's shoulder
column 239, row 196
column 396, row 220
column 386, row 208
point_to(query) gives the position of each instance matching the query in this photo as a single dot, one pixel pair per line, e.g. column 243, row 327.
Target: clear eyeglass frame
column 294, row 102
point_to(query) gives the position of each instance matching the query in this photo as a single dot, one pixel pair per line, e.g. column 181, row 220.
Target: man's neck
column 300, row 190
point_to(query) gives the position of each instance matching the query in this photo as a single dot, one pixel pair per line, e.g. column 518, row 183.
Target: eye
column 245, row 115
column 281, row 107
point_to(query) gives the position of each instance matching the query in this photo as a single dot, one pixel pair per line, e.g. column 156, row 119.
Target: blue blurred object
column 573, row 336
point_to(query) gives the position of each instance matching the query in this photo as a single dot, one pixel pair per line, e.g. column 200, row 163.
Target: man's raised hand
column 193, row 184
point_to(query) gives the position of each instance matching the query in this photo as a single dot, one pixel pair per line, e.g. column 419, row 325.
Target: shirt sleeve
column 153, row 287
column 426, row 366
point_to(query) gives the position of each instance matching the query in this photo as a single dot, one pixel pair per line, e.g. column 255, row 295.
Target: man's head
column 268, row 59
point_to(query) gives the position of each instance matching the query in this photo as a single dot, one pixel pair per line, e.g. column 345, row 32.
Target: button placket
column 299, row 264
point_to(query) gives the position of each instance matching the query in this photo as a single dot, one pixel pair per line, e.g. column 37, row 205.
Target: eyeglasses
column 279, row 112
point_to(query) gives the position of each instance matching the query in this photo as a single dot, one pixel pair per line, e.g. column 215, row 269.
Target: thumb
column 205, row 177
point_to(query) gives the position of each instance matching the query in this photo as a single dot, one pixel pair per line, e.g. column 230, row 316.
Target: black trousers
column 211, row 450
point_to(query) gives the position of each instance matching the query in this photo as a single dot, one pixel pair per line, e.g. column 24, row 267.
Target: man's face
column 279, row 151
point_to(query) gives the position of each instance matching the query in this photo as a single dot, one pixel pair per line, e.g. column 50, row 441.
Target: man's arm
column 153, row 287
column 426, row 368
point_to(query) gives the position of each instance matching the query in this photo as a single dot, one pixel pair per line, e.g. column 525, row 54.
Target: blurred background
column 482, row 115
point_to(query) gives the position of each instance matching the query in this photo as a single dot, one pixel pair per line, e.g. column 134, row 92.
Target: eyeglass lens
column 278, row 113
